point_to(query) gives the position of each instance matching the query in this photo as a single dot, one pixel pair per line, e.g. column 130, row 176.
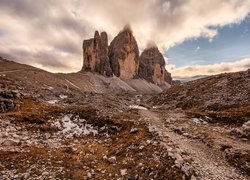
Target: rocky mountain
column 124, row 55
column 95, row 54
column 152, row 67
column 122, row 59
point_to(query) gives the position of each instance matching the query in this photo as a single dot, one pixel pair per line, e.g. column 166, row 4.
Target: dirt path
column 12, row 71
column 207, row 163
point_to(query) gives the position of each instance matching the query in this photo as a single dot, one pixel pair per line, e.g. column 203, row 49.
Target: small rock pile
column 243, row 131
column 7, row 100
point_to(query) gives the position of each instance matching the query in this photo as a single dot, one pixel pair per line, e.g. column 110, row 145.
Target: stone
column 152, row 67
column 124, row 55
column 193, row 177
column 123, row 172
column 133, row 130
column 112, row 159
column 95, row 55
column 6, row 105
column 10, row 142
column 246, row 130
column 9, row 94
column 89, row 175
column 179, row 160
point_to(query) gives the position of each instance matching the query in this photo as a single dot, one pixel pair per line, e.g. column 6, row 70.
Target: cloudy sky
column 197, row 37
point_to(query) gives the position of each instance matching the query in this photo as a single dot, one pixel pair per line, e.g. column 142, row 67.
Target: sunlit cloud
column 198, row 70
column 49, row 34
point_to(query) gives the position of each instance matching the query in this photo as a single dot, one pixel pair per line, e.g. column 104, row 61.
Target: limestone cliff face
column 152, row 67
column 95, row 54
column 122, row 59
column 168, row 77
column 124, row 55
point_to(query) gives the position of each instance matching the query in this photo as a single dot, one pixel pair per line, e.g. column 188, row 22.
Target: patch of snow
column 90, row 83
column 208, row 118
column 63, row 96
column 70, row 126
column 199, row 120
column 46, row 87
column 137, row 107
column 196, row 120
column 50, row 88
column 72, row 84
column 52, row 101
column 155, row 107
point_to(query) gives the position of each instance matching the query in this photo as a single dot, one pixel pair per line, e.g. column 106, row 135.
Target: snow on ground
column 52, row 101
column 198, row 120
column 72, row 84
column 155, row 107
column 71, row 126
column 137, row 107
column 62, row 96
column 50, row 88
column 47, row 87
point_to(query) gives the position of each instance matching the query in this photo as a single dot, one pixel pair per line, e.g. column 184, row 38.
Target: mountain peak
column 122, row 59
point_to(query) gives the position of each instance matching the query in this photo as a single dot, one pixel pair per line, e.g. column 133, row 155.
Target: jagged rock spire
column 124, row 55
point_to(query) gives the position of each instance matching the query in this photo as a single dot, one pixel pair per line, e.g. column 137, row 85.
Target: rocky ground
column 54, row 133
column 42, row 140
column 224, row 97
column 51, row 132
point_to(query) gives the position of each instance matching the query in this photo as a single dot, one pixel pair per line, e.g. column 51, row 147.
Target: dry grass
column 77, row 157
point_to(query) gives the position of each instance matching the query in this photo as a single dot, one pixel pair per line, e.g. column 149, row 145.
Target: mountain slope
column 36, row 80
column 223, row 97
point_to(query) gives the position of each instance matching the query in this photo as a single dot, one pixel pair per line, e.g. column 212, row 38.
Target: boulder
column 95, row 54
column 124, row 55
column 6, row 105
column 152, row 67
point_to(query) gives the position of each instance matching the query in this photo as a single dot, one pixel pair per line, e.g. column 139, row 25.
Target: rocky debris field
column 79, row 136
column 223, row 98
column 79, row 143
column 53, row 132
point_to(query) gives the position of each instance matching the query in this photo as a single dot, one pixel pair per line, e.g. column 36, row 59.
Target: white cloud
column 190, row 71
column 49, row 34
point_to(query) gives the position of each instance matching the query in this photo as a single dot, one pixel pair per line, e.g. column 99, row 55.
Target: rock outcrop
column 152, row 67
column 124, row 55
column 7, row 100
column 168, row 77
column 95, row 54
column 121, row 58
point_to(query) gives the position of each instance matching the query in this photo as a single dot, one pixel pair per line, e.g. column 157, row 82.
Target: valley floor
column 96, row 136
column 53, row 130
